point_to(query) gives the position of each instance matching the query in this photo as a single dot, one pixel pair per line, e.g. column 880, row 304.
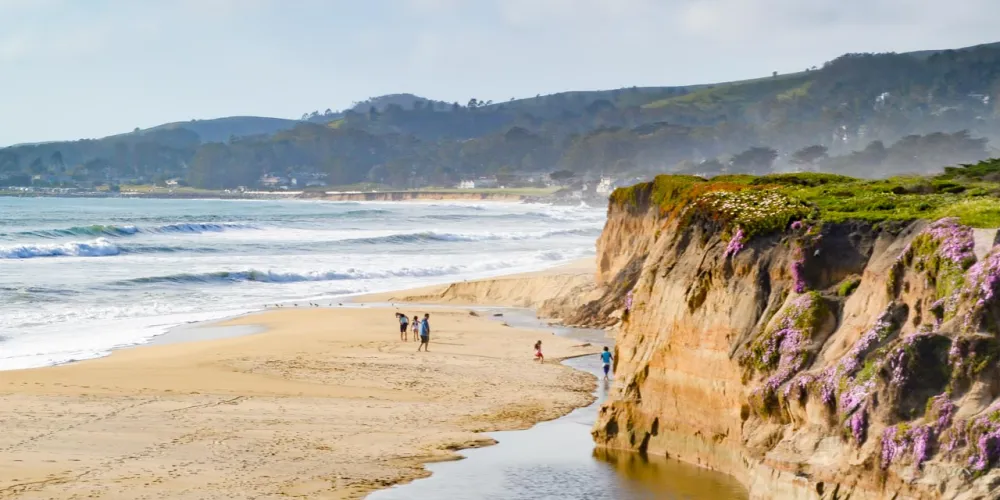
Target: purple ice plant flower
column 735, row 243
column 987, row 450
column 797, row 225
column 981, row 284
column 858, row 424
column 894, row 446
column 955, row 241
column 849, row 364
column 853, row 398
column 799, row 384
column 945, row 409
column 920, row 436
column 798, row 267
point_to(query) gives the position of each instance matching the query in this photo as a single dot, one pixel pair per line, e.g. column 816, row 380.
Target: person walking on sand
column 404, row 323
column 538, row 352
column 416, row 327
column 606, row 358
column 425, row 333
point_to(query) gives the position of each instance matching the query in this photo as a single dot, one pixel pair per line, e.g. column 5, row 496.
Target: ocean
column 80, row 277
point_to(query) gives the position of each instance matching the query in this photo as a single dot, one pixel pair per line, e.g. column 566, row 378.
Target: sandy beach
column 325, row 403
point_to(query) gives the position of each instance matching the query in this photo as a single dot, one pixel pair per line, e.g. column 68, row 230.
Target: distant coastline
column 512, row 195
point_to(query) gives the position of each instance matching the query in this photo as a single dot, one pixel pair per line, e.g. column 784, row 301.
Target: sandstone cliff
column 808, row 358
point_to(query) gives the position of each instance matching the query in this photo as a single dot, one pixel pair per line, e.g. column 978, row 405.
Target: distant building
column 606, row 186
column 480, row 183
column 273, row 181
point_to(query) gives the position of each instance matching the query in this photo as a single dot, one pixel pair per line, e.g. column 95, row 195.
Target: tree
column 561, row 175
column 809, row 155
column 9, row 161
column 473, row 103
column 328, row 112
column 754, row 160
column 37, row 167
column 56, row 161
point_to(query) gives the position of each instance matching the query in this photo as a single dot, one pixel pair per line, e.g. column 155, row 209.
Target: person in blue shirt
column 425, row 333
column 606, row 358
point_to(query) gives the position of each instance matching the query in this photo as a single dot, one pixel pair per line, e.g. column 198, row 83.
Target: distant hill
column 650, row 96
column 860, row 114
column 221, row 129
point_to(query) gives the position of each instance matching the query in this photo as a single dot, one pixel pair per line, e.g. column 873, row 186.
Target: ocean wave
column 116, row 231
column 433, row 236
column 100, row 247
column 271, row 276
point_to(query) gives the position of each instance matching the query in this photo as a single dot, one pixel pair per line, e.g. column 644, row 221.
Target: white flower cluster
column 749, row 204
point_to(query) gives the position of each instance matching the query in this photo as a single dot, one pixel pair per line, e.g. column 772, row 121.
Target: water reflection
column 668, row 478
column 556, row 460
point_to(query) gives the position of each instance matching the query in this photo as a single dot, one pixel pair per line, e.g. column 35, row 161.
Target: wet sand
column 324, row 403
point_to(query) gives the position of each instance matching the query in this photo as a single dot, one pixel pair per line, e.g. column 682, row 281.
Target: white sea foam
column 100, row 247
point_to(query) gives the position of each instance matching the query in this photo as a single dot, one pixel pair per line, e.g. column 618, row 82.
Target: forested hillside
column 860, row 114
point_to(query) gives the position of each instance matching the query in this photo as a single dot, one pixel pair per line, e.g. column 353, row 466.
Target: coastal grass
column 970, row 193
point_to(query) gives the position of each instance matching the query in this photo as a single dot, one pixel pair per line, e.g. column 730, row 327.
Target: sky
column 73, row 69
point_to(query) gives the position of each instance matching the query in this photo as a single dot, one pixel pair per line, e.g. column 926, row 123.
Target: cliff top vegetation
column 766, row 203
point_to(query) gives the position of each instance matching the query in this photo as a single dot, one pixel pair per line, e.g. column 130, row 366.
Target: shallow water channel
column 557, row 460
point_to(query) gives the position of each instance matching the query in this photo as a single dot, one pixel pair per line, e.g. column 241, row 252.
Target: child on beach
column 403, row 325
column 538, row 352
column 416, row 327
column 606, row 358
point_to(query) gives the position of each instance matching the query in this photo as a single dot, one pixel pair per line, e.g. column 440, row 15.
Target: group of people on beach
column 421, row 329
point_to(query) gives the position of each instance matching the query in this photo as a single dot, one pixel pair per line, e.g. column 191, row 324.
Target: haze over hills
column 860, row 114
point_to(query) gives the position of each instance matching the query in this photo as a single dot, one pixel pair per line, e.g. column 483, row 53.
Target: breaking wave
column 426, row 236
column 113, row 231
column 100, row 247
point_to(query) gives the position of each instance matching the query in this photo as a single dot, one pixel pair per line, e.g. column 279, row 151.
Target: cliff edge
column 815, row 336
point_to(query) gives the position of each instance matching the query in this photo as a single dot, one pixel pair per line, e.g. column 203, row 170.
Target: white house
column 480, row 183
column 605, row 186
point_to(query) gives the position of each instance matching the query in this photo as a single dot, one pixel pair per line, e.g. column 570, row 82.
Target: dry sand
column 326, row 403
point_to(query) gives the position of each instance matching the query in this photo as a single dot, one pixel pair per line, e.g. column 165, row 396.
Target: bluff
column 815, row 336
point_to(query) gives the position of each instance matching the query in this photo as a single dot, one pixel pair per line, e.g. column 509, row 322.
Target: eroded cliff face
column 841, row 360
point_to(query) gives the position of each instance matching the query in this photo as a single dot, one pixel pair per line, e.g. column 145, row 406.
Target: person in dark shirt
column 404, row 322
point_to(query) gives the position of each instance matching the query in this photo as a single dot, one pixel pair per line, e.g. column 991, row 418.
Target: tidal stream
column 557, row 460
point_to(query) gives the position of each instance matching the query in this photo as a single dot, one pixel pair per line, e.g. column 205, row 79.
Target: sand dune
column 552, row 292
column 327, row 403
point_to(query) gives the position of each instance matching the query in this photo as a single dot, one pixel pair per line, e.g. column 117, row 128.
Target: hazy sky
column 90, row 68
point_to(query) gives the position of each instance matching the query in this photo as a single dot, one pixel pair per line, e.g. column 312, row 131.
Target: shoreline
column 266, row 370
column 215, row 328
column 331, row 196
